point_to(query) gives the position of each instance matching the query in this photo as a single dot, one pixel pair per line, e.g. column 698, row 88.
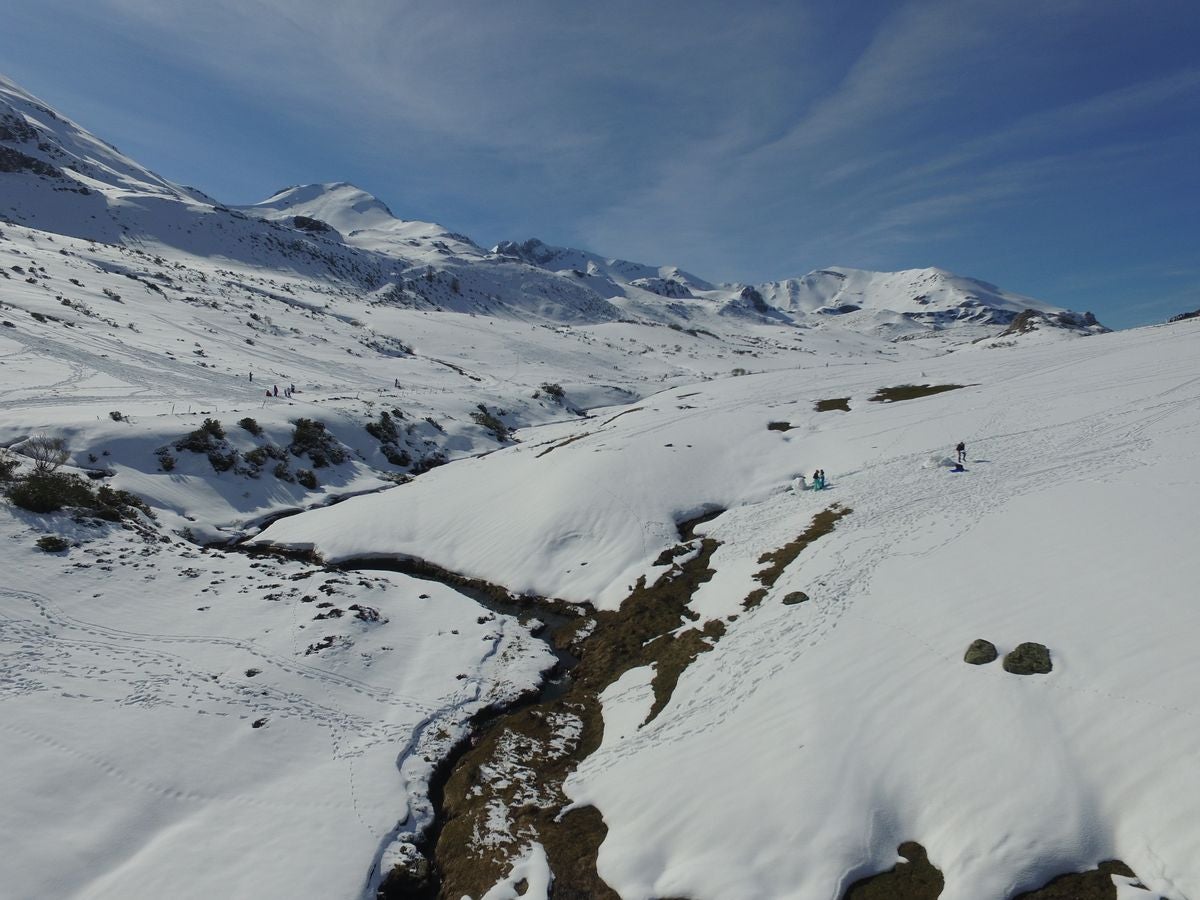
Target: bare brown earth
column 911, row 391
column 833, row 403
column 507, row 790
column 918, row 879
column 778, row 560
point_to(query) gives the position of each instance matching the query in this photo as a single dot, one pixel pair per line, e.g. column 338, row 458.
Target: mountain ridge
column 60, row 178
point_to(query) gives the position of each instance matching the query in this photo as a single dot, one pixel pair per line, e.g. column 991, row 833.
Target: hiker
column 268, row 392
column 822, row 473
column 291, row 389
column 252, row 378
column 961, row 449
column 276, row 390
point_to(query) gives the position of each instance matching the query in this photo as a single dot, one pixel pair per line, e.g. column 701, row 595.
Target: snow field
column 168, row 728
column 813, row 739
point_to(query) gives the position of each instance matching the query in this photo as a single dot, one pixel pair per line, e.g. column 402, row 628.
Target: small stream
column 545, row 620
column 552, row 622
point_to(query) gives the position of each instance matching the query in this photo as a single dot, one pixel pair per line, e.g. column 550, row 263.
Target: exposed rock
column 15, row 161
column 981, row 652
column 795, row 597
column 307, row 223
column 1028, row 658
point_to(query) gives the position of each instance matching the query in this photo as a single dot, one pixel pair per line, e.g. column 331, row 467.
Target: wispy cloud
column 745, row 142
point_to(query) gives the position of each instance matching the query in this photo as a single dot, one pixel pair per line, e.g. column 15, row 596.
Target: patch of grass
column 676, row 654
column 52, row 543
column 842, row 403
column 778, row 560
column 911, row 391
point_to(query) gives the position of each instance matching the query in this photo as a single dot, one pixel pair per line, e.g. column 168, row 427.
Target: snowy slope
column 552, row 415
column 852, row 717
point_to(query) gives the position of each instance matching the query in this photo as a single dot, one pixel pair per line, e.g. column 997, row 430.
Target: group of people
column 819, row 483
column 287, row 391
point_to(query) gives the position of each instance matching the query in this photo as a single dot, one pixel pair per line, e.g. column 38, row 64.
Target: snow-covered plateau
column 343, row 557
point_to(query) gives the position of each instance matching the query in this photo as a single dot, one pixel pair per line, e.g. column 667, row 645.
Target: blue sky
column 1051, row 147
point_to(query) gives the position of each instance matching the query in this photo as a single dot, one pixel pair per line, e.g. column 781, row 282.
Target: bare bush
column 46, row 452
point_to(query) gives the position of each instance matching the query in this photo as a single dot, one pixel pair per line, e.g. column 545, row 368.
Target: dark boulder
column 1028, row 659
column 980, row 652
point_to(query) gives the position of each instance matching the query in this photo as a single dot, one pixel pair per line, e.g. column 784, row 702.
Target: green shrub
column 8, row 465
column 116, row 416
column 52, row 543
column 251, row 426
column 397, row 457
column 555, row 391
column 209, row 439
column 487, row 420
column 306, row 478
column 45, row 492
column 432, row 461
column 384, row 430
column 165, row 460
column 310, row 437
column 281, row 472
column 121, row 501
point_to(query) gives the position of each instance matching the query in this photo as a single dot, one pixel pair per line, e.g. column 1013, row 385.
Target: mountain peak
column 345, row 206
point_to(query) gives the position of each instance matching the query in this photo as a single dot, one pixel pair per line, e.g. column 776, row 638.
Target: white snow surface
column 829, row 732
column 793, row 758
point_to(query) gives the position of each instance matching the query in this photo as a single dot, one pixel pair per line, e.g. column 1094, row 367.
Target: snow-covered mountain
column 57, row 177
column 742, row 688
